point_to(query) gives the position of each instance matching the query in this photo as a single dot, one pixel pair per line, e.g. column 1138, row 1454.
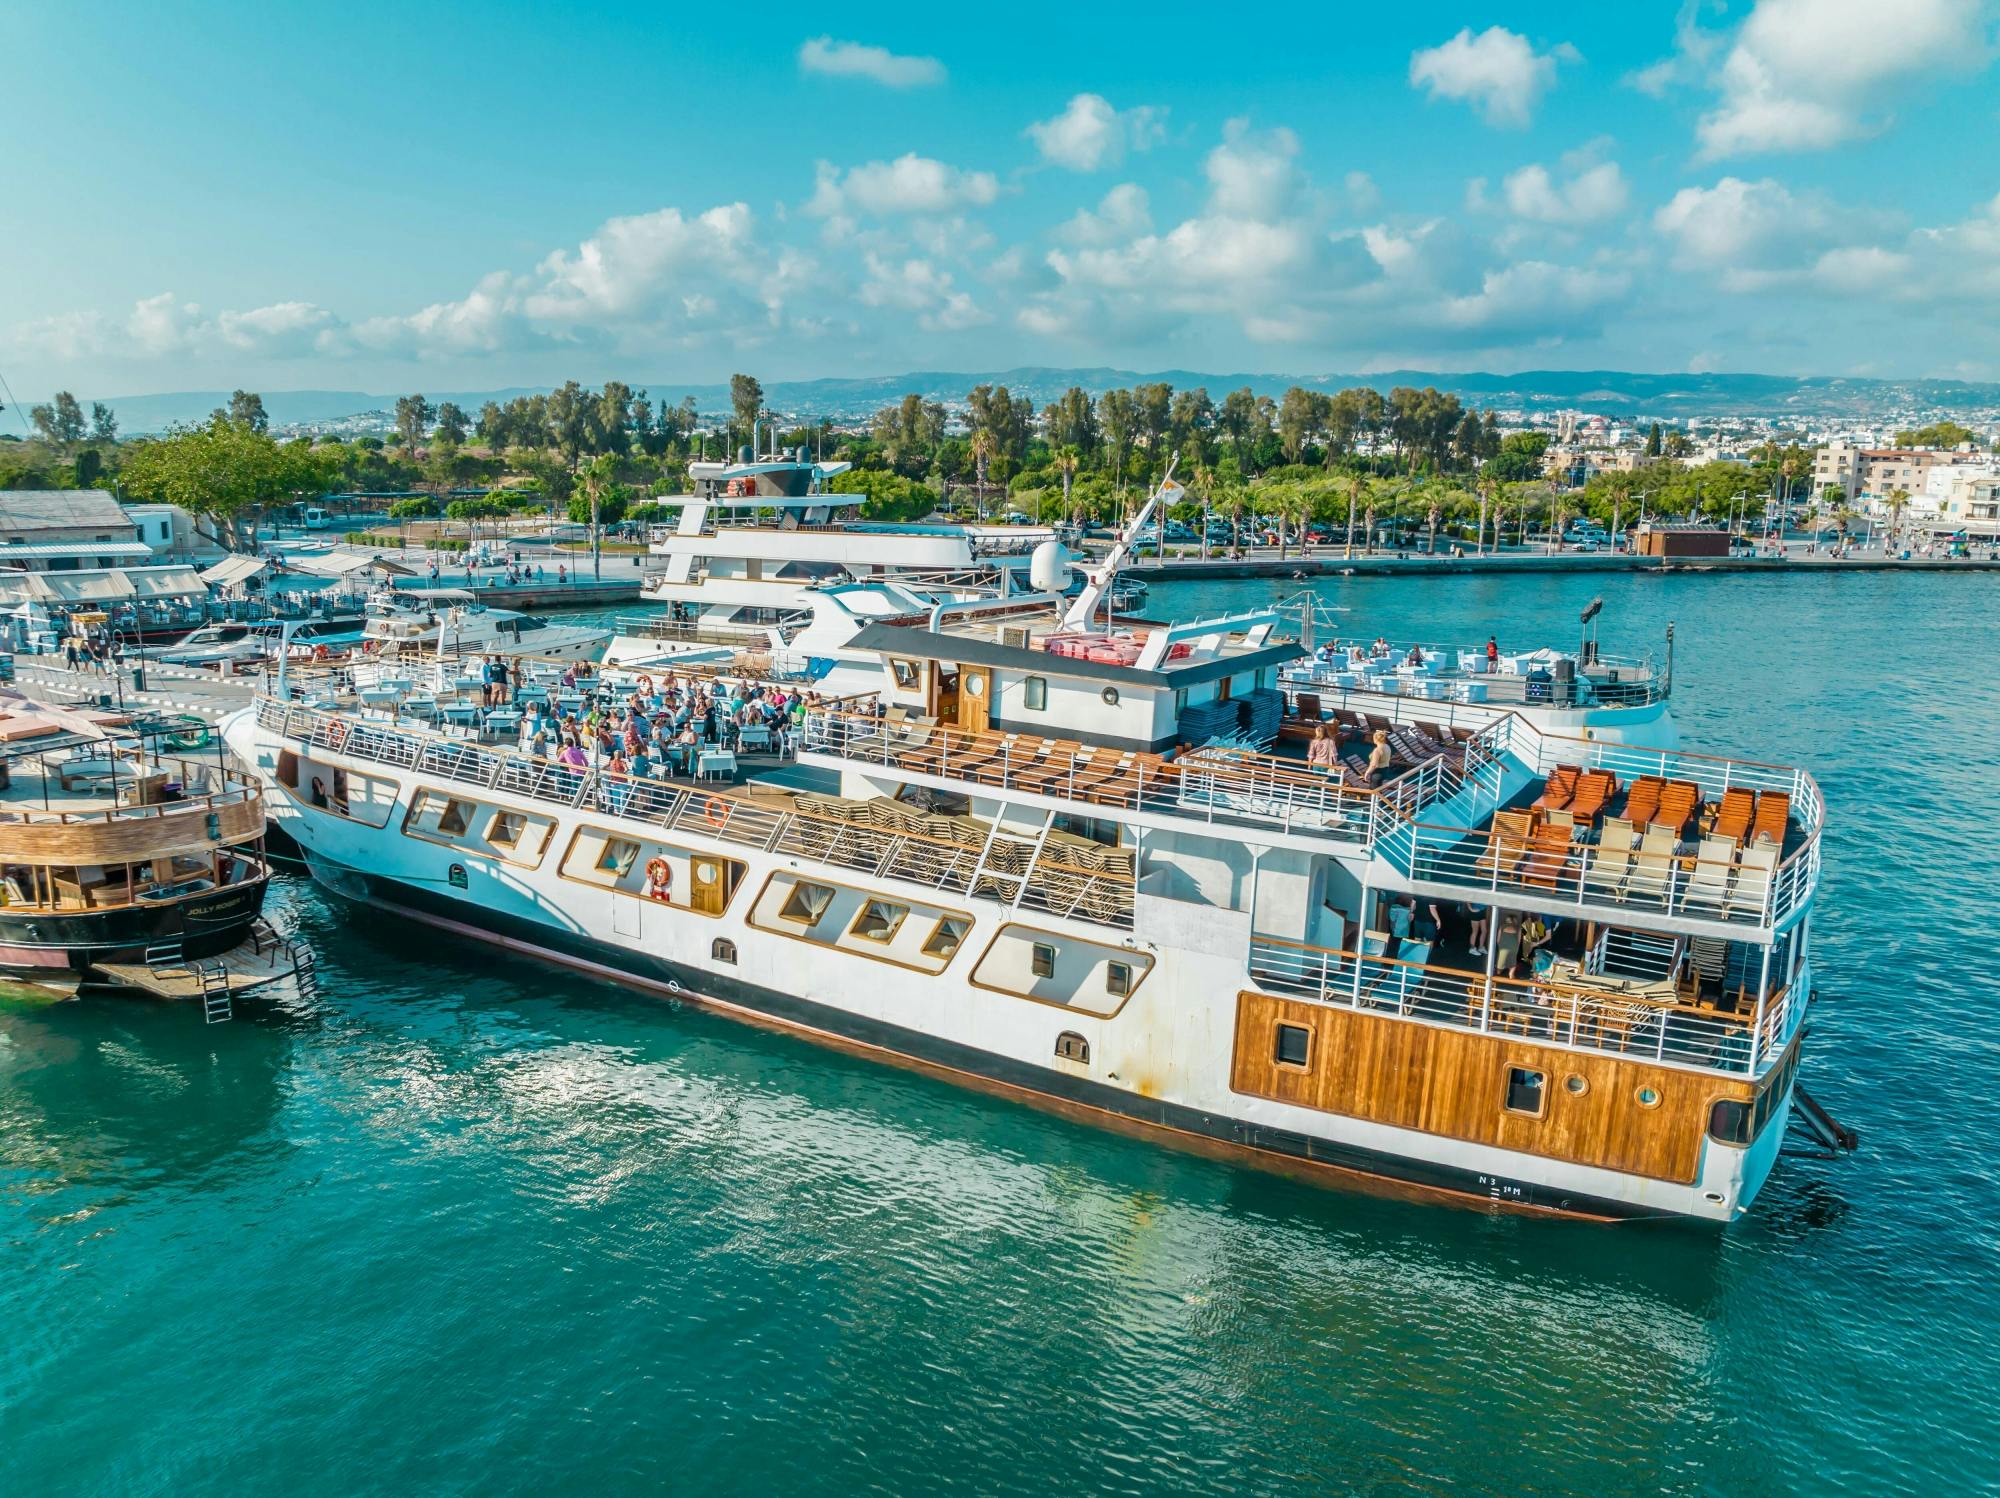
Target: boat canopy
column 232, row 570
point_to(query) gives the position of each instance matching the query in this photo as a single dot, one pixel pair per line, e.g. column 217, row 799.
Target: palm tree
column 1066, row 462
column 1355, row 485
column 982, row 451
column 1488, row 489
column 598, row 475
column 1432, row 515
column 1899, row 501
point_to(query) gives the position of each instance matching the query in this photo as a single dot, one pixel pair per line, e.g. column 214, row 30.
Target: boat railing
column 1548, row 1011
column 698, row 632
column 1007, row 868
column 1207, row 785
column 104, row 774
column 1604, row 681
column 1758, row 886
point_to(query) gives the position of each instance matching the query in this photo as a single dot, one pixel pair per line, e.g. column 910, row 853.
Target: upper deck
column 1464, row 673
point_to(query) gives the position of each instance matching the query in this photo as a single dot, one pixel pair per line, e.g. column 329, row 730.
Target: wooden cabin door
column 975, row 691
column 708, row 893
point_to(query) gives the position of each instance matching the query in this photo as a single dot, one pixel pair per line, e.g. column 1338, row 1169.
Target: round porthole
column 975, row 686
column 705, row 873
column 1575, row 1085
column 1649, row 1097
column 1111, row 696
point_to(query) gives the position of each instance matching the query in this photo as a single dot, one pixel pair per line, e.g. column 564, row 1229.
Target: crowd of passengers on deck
column 652, row 727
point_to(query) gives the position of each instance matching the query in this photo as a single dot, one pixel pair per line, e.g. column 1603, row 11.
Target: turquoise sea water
column 467, row 1224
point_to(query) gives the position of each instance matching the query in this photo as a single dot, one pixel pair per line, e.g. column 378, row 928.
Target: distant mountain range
column 1666, row 397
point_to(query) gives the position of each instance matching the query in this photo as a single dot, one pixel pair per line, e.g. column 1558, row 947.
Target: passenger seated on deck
column 1324, row 751
column 1379, row 758
column 1416, row 656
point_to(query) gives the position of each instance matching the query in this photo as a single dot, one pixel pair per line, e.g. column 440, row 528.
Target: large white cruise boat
column 756, row 535
column 1074, row 859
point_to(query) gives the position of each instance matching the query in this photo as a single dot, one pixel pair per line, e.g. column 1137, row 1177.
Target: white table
column 716, row 762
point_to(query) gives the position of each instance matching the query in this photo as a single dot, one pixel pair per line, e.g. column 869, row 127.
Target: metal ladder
column 217, row 1005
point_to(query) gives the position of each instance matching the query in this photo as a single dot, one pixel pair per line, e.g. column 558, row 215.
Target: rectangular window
column 1526, row 1091
column 879, row 920
column 1118, row 979
column 1294, row 1045
column 906, row 673
column 506, row 828
column 456, row 818
column 1035, row 693
column 806, row 903
column 1042, row 960
column 619, row 855
column 1095, row 828
column 945, row 941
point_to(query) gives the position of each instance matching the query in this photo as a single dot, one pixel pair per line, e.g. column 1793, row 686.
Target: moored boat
column 1073, row 858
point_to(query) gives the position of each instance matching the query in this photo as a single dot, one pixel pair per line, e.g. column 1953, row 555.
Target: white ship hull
column 1160, row 1060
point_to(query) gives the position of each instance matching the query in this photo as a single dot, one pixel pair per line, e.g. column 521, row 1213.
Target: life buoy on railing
column 320, row 652
column 336, row 735
column 717, row 811
column 659, row 879
column 645, row 685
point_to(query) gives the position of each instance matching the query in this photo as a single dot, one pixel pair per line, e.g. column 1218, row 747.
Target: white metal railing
column 1551, row 1012
column 1757, row 886
column 1006, row 869
column 1612, row 681
column 1206, row 785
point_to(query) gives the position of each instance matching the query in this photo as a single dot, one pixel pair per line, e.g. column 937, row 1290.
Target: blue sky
column 382, row 196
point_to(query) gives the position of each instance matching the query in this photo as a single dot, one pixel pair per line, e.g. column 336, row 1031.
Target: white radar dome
column 1048, row 568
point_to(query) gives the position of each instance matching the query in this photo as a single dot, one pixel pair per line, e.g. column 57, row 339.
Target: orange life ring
column 646, row 684
column 659, row 879
column 336, row 735
column 320, row 652
column 717, row 811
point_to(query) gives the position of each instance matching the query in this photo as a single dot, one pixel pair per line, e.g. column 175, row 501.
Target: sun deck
column 1040, row 869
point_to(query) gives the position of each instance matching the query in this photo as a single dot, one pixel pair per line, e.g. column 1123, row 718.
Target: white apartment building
column 1959, row 497
column 1874, row 473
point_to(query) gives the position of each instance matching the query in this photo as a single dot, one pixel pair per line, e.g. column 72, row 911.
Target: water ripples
column 470, row 1224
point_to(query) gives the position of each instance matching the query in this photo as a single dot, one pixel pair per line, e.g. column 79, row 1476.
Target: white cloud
column 915, row 285
column 1531, row 297
column 163, row 324
column 834, row 59
column 1594, row 192
column 282, row 329
column 1737, row 226
column 1496, row 70
column 1363, row 196
column 1123, row 213
column 1805, row 74
column 909, row 184
column 623, row 268
column 1252, row 176
column 1861, row 269
column 1090, row 134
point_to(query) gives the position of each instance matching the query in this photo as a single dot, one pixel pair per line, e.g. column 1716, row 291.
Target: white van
column 318, row 519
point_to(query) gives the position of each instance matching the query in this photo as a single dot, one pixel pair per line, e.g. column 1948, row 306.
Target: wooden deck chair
column 1594, row 791
column 1774, row 811
column 1507, row 843
column 1678, row 801
column 1708, row 883
column 1309, row 708
column 1559, row 788
column 1548, row 856
column 1643, row 800
column 1732, row 820
column 1608, row 867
